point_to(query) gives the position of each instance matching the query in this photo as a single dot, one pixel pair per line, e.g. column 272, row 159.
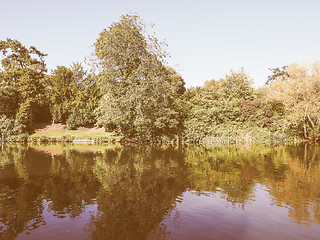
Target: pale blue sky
column 205, row 38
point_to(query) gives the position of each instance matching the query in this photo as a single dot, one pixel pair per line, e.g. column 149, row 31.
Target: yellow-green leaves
column 24, row 70
column 73, row 96
column 299, row 90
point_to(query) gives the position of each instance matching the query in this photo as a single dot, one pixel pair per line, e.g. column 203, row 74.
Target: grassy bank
column 59, row 133
column 46, row 133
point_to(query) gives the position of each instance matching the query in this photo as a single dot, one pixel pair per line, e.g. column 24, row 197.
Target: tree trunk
column 31, row 115
column 305, row 128
column 305, row 152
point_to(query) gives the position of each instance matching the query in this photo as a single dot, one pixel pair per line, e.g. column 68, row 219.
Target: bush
column 79, row 119
column 43, row 139
column 10, row 127
column 18, row 138
column 66, row 138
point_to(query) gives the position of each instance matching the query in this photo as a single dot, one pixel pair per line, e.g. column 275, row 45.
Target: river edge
column 58, row 133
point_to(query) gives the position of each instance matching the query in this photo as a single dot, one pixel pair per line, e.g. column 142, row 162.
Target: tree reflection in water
column 136, row 187
column 140, row 185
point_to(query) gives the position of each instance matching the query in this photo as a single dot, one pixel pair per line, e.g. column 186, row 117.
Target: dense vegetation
column 133, row 92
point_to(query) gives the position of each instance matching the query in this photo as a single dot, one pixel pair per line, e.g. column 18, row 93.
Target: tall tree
column 139, row 94
column 23, row 69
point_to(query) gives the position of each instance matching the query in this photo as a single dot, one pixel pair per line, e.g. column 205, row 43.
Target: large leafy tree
column 139, row 94
column 22, row 73
column 299, row 91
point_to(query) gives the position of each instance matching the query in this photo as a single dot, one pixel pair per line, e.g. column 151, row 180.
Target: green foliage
column 76, row 120
column 8, row 99
column 140, row 96
column 73, row 96
column 86, row 99
column 9, row 127
column 23, row 70
column 60, row 92
column 236, row 85
column 230, row 108
column 216, row 108
column 66, row 138
column 299, row 90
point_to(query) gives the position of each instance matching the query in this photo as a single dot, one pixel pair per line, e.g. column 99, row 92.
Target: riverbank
column 45, row 133
column 59, row 133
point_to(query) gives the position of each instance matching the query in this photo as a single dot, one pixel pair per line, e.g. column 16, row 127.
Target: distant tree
column 236, row 85
column 23, row 69
column 86, row 98
column 203, row 110
column 60, row 86
column 139, row 94
column 73, row 96
column 235, row 88
column 229, row 107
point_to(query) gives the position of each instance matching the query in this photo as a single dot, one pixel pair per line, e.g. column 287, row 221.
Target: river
column 113, row 191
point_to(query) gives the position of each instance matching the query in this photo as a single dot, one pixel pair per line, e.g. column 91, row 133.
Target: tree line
column 132, row 91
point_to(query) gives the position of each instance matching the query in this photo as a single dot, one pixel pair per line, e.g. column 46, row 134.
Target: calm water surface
column 144, row 192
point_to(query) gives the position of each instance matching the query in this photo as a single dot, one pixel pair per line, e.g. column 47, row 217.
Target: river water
column 72, row 191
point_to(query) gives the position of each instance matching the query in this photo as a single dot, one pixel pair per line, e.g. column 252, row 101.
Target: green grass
column 65, row 135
